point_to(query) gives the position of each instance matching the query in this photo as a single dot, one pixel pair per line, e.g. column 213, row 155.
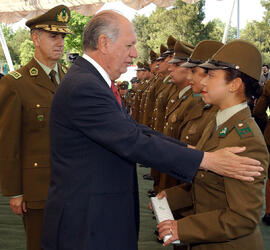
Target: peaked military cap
column 181, row 52
column 162, row 50
column 123, row 85
column 188, row 45
column 54, row 20
column 202, row 52
column 146, row 66
column 170, row 44
column 153, row 56
column 140, row 67
column 237, row 54
column 133, row 79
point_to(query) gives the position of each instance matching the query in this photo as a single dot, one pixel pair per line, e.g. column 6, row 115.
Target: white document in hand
column 162, row 212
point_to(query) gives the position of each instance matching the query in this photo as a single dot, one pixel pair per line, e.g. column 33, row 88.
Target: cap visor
column 208, row 65
column 160, row 58
column 189, row 65
column 175, row 60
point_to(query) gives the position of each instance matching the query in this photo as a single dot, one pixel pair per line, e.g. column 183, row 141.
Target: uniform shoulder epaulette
column 243, row 130
column 16, row 75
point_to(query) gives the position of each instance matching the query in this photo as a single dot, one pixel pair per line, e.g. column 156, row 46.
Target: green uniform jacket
column 195, row 122
column 143, row 100
column 137, row 100
column 151, row 99
column 158, row 115
column 25, row 100
column 226, row 210
column 174, row 117
column 176, row 113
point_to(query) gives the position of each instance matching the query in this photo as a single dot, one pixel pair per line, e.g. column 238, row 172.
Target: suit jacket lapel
column 82, row 63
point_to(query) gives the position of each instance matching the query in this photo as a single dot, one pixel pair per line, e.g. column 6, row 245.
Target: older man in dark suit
column 95, row 144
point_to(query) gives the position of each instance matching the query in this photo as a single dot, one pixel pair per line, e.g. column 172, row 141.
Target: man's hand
column 17, row 205
column 168, row 227
column 159, row 196
column 225, row 162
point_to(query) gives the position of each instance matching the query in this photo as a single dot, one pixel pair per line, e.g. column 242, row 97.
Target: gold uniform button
column 38, row 105
column 35, row 164
column 202, row 175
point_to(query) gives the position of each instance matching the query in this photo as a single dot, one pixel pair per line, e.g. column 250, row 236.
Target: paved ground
column 12, row 233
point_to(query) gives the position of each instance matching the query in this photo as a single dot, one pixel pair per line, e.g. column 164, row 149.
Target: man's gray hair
column 106, row 23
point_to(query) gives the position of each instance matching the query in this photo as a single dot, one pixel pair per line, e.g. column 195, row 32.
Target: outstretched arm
column 226, row 162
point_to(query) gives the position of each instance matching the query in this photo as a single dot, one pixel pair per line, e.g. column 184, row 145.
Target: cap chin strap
column 223, row 65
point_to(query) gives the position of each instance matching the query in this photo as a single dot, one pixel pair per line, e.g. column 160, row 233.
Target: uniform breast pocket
column 210, row 180
column 36, row 116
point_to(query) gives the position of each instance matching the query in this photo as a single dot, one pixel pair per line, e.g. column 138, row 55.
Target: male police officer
column 25, row 100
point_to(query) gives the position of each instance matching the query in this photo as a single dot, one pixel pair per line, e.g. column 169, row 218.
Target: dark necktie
column 116, row 93
column 53, row 79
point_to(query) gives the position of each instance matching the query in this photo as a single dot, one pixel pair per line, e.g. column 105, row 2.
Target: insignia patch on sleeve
column 15, row 74
column 243, row 130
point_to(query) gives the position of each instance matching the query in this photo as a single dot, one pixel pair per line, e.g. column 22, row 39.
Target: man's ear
column 103, row 43
column 236, row 84
column 35, row 38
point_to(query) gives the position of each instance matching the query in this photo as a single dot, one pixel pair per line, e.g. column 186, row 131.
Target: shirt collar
column 226, row 114
column 183, row 91
column 103, row 73
column 46, row 68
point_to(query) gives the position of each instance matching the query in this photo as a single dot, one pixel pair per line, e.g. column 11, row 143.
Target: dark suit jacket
column 93, row 195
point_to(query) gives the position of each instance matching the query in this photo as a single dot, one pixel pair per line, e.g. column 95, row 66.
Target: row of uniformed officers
column 200, row 96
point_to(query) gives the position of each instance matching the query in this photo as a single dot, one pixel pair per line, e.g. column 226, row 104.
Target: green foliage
column 218, row 28
column 26, row 51
column 259, row 33
column 73, row 42
column 183, row 21
column 14, row 41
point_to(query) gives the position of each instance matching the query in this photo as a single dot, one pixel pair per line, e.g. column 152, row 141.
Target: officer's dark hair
column 252, row 87
column 265, row 65
column 105, row 23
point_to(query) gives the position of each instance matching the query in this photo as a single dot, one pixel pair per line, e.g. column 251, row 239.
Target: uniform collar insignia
column 223, row 132
column 33, row 71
